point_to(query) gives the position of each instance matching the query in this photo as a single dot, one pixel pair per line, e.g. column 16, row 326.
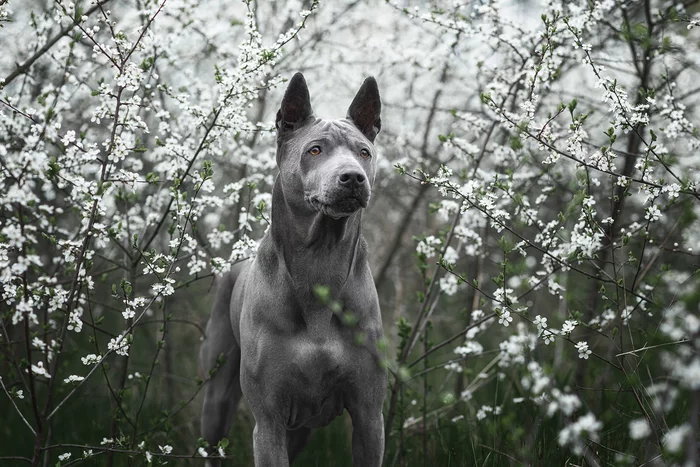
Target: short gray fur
column 298, row 365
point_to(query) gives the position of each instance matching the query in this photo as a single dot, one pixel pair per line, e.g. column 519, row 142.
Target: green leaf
column 322, row 293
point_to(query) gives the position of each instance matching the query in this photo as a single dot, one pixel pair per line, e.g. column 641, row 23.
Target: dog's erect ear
column 366, row 108
column 296, row 105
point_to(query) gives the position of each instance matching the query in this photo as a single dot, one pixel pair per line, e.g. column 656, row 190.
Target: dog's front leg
column 367, row 437
column 270, row 444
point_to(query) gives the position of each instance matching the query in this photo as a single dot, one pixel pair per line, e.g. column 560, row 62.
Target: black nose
column 351, row 178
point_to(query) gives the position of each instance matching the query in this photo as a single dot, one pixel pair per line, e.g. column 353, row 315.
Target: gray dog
column 299, row 362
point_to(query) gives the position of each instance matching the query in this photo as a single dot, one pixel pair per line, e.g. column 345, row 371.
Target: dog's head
column 332, row 162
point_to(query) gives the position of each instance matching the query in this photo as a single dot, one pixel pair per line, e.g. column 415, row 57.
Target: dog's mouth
column 338, row 208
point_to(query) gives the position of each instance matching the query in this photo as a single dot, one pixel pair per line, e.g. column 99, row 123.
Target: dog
column 298, row 361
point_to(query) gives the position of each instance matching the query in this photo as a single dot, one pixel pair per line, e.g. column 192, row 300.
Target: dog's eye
column 315, row 151
column 365, row 154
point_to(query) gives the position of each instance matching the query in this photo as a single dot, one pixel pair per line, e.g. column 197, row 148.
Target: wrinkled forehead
column 341, row 132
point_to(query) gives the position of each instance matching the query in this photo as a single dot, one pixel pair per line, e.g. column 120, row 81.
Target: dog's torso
column 298, row 355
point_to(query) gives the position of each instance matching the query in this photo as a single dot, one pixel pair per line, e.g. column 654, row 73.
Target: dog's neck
column 330, row 245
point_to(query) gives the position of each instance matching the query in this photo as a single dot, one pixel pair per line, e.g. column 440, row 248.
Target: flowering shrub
column 541, row 154
column 575, row 170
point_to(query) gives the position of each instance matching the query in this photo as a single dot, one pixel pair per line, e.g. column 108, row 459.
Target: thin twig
column 19, row 412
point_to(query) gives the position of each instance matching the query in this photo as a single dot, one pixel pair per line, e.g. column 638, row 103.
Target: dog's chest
column 308, row 354
column 320, row 364
column 320, row 373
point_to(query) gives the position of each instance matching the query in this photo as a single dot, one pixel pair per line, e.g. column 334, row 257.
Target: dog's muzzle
column 349, row 194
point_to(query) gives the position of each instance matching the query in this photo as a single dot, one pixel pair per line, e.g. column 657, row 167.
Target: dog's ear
column 366, row 108
column 296, row 105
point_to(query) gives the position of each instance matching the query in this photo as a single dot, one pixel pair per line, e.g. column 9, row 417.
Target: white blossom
column 505, row 318
column 73, row 379
column 569, row 326
column 583, row 350
column 39, row 369
column 90, row 359
column 577, row 433
column 428, row 246
column 673, row 440
column 448, row 284
column 639, row 428
column 119, row 344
